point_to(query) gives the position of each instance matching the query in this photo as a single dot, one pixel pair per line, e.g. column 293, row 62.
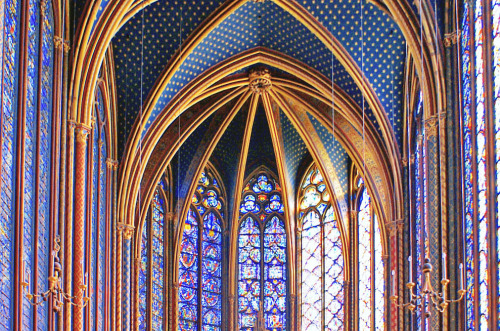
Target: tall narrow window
column 371, row 284
column 262, row 257
column 152, row 273
column 322, row 261
column 476, row 172
column 9, row 49
column 96, row 222
column 495, row 20
column 200, row 265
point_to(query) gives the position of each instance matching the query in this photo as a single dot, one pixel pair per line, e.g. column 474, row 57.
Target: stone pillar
column 82, row 133
column 119, row 269
column 68, row 227
column 433, row 210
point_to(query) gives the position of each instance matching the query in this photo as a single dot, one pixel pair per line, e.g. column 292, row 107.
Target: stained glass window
column 371, row 283
column 468, row 166
column 152, row 273
column 476, row 142
column 103, row 197
column 158, row 262
column 9, row 35
column 200, row 265
column 262, row 258
column 322, row 262
column 495, row 20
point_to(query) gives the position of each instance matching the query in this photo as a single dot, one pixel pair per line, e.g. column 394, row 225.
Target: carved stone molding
column 260, row 80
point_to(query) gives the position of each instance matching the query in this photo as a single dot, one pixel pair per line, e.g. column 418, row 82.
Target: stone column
column 82, row 133
column 433, row 210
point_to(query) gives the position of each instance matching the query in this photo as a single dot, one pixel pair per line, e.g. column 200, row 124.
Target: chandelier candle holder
column 55, row 289
column 428, row 294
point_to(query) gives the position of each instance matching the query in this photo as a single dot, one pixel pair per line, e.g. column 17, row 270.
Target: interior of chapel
column 253, row 165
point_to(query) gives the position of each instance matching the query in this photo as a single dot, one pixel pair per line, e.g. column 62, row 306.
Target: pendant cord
column 362, row 94
column 141, row 106
column 178, row 208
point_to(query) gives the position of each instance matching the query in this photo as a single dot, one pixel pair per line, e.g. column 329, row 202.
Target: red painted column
column 119, row 278
column 82, row 133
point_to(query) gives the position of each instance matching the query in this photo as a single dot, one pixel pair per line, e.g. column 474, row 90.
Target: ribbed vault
column 280, row 96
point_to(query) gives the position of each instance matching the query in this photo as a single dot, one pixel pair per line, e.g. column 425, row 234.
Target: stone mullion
column 354, row 228
column 433, row 228
column 82, row 133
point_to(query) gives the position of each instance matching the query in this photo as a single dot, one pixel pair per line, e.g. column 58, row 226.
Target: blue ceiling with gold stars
column 167, row 24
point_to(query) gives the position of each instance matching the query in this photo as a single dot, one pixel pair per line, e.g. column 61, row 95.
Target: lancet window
column 262, row 257
column 200, row 265
column 97, row 240
column 153, row 271
column 370, row 264
column 36, row 141
column 321, row 257
column 480, row 41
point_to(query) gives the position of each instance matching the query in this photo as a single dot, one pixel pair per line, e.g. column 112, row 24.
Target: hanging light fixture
column 428, row 295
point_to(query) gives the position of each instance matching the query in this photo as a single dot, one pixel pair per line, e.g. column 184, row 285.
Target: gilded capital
column 451, row 39
column 431, row 125
column 82, row 133
column 395, row 226
column 61, row 44
column 169, row 216
column 112, row 164
column 125, row 229
column 260, row 80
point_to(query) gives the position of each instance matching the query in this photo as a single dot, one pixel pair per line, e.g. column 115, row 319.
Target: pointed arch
column 200, row 279
column 322, row 269
column 262, row 254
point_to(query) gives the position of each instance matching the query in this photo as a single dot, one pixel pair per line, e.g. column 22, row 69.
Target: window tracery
column 370, row 264
column 200, row 265
column 322, row 261
column 153, row 272
column 262, row 257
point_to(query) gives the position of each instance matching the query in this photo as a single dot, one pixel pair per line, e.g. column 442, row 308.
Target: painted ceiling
column 164, row 25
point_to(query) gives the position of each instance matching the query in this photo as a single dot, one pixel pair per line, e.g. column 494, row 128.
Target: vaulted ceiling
column 162, row 52
column 164, row 26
